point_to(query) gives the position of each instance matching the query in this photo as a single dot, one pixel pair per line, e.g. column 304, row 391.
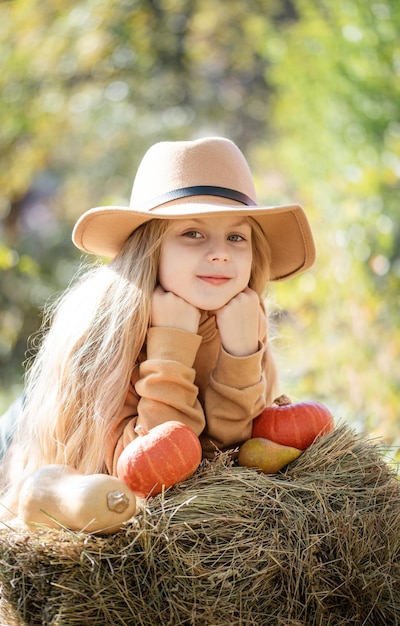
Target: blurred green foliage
column 310, row 91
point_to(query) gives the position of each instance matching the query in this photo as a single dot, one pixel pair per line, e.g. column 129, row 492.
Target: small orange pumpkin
column 295, row 425
column 159, row 458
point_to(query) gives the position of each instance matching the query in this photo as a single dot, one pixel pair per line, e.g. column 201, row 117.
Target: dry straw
column 318, row 544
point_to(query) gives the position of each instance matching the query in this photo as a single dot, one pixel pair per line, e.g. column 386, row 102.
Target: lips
column 215, row 280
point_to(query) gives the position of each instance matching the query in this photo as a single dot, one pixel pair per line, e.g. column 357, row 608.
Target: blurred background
column 309, row 90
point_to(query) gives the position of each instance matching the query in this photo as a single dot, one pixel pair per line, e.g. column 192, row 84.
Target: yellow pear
column 266, row 455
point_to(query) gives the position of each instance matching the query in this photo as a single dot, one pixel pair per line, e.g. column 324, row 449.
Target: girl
column 174, row 327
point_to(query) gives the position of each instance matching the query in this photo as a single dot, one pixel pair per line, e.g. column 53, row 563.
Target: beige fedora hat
column 205, row 177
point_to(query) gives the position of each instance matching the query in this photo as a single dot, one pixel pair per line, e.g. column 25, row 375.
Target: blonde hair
column 77, row 384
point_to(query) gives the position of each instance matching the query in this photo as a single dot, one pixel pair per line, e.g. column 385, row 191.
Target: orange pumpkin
column 295, row 425
column 159, row 458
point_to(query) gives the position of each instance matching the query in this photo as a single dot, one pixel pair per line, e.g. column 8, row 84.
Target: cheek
column 168, row 270
column 246, row 267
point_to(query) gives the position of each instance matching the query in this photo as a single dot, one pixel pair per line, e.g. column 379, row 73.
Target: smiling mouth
column 215, row 280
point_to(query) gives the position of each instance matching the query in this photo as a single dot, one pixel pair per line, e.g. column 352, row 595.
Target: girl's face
column 206, row 261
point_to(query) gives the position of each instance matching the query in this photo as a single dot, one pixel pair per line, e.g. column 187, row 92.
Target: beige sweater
column 190, row 378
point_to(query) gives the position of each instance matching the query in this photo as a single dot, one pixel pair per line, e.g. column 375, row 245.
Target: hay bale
column 317, row 544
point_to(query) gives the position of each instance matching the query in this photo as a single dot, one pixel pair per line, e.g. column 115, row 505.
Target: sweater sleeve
column 162, row 390
column 235, row 395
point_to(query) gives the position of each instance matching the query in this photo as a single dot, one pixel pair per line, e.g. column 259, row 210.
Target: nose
column 218, row 251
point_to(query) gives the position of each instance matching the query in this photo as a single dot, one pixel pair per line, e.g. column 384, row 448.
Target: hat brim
column 104, row 230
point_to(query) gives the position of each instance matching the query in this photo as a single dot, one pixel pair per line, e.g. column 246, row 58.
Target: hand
column 171, row 311
column 238, row 323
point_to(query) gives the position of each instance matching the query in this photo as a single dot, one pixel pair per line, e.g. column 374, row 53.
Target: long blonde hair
column 92, row 338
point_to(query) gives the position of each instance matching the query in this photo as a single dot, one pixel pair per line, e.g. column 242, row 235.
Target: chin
column 210, row 307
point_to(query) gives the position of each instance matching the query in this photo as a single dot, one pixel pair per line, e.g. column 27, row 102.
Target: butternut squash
column 59, row 496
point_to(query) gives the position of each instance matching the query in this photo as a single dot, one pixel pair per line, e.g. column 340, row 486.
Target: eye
column 236, row 237
column 192, row 234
